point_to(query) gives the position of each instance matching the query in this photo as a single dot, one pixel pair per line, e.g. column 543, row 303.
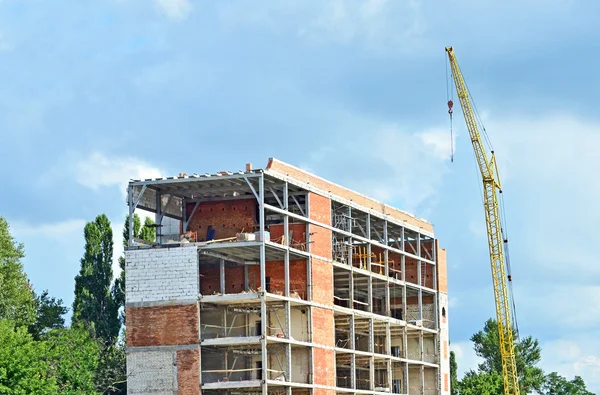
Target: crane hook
column 450, row 105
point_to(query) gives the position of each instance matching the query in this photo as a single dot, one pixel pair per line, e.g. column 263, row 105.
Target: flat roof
column 225, row 182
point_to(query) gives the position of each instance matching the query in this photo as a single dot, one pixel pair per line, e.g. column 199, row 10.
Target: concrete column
column 352, row 339
column 371, row 350
column 222, row 275
column 263, row 304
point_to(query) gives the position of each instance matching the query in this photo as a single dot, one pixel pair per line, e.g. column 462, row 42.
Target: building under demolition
column 278, row 281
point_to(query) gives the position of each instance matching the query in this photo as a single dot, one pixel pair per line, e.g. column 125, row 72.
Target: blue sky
column 95, row 93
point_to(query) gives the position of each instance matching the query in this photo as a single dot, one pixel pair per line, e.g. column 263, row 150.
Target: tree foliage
column 111, row 375
column 558, row 385
column 481, row 383
column 50, row 313
column 94, row 306
column 17, row 300
column 24, row 368
column 527, row 354
column 74, row 357
column 454, row 385
column 488, row 377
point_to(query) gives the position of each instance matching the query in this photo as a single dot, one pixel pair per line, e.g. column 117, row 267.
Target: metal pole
column 263, row 304
column 131, row 211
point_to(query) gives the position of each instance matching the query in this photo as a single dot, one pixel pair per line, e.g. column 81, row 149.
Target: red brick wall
column 320, row 210
column 323, row 333
column 394, row 259
column 410, row 267
column 322, row 281
column 162, row 325
column 323, row 392
column 427, row 299
column 324, row 362
column 188, row 374
column 210, row 279
column 297, row 232
column 441, row 269
column 323, row 326
column 227, row 217
column 275, row 270
column 234, row 279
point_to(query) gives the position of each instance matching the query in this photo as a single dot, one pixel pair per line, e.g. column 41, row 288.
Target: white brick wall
column 161, row 274
column 444, row 338
column 151, row 372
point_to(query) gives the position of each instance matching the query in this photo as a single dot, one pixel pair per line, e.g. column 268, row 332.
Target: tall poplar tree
column 94, row 306
column 17, row 300
column 454, row 384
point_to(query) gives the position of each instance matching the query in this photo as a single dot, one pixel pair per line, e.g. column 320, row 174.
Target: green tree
column 24, row 368
column 94, row 306
column 481, row 383
column 74, row 358
column 147, row 233
column 17, row 300
column 527, row 354
column 488, row 377
column 111, row 376
column 557, row 385
column 50, row 313
column 454, row 383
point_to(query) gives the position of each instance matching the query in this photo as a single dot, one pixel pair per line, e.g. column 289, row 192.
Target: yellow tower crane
column 491, row 185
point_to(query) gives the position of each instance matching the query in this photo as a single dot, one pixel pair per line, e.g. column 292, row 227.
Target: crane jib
column 491, row 183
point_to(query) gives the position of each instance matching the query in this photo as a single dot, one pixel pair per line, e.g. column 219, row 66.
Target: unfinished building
column 276, row 281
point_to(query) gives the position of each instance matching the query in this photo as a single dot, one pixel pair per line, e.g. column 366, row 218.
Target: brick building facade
column 283, row 282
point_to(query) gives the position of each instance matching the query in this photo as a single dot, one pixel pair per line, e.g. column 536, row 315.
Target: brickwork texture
column 161, row 274
column 162, row 325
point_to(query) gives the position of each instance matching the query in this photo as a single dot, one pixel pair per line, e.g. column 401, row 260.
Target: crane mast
column 491, row 185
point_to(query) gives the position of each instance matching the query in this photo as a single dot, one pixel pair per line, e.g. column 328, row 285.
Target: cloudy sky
column 95, row 93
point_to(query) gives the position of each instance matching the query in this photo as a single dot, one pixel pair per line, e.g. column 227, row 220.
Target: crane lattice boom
column 491, row 185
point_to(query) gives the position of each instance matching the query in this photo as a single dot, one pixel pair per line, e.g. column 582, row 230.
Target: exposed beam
column 137, row 201
column 299, row 207
column 188, row 219
column 193, row 179
column 276, row 198
column 253, row 190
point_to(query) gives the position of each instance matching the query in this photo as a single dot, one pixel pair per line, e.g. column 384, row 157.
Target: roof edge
column 278, row 166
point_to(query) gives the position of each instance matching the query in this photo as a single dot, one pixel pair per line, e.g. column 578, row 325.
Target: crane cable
column 449, row 97
column 503, row 228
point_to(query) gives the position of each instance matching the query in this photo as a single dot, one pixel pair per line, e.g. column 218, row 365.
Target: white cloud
column 571, row 358
column 398, row 164
column 466, row 359
column 548, row 167
column 63, row 231
column 373, row 24
column 438, row 141
column 575, row 306
column 176, row 10
column 98, row 171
